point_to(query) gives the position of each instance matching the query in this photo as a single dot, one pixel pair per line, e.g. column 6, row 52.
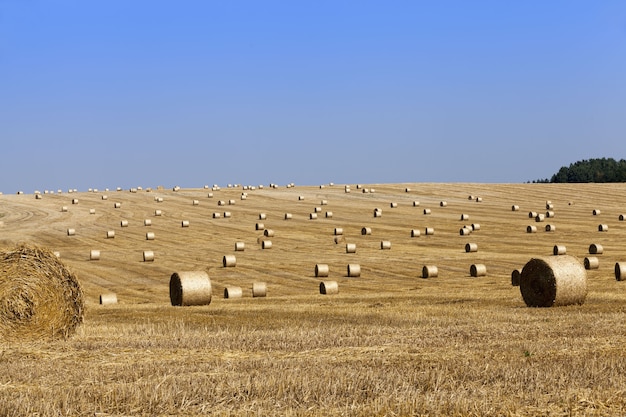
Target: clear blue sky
column 107, row 93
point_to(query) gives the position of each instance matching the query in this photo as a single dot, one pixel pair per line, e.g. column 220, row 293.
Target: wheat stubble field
column 389, row 343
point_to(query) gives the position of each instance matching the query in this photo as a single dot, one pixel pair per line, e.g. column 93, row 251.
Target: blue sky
column 109, row 93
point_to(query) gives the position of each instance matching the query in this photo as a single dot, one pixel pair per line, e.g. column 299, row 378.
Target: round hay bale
column 621, row 217
column 415, row 233
column 430, row 271
column 94, row 255
column 158, row 212
column 350, row 247
column 549, row 206
column 259, row 289
column 262, row 216
column 407, row 190
column 591, row 262
column 240, row 246
column 596, row 249
column 328, row 214
column 124, row 223
column 221, row 203
column 329, row 287
column 559, row 250
column 300, row 198
column 106, row 299
column 366, row 231
column 229, row 261
column 117, row 205
column 148, row 256
column 184, row 223
column 147, row 222
column 416, row 203
column 603, row 228
column 312, row 216
column 288, row 216
column 195, row 202
column 210, row 195
column 40, row 298
column 532, row 214
column 110, row 234
column 393, row 205
column 321, row 270
column 233, row 292
column 71, row 232
column 64, row 209
column 596, row 212
column 74, row 200
column 266, row 244
column 427, row 211
column 190, row 288
column 464, row 231
column 150, row 236
column 92, row 211
column 429, row 231
column 553, row 281
column 540, row 217
column 550, row 214
column 324, row 202
column 443, row 204
column 620, row 271
column 259, row 226
column 479, row 199
column 105, row 197
column 531, row 229
column 217, row 215
column 478, row 270
column 464, row 216
column 378, row 213
column 227, row 214
column 514, row 207
column 475, row 226
column 354, row 270
column 550, row 228
column 385, row 244
column 317, row 210
column 338, row 231
column 268, row 232
column 471, row 247
column 515, row 277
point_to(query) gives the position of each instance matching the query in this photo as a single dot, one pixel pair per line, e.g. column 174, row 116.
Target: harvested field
column 388, row 343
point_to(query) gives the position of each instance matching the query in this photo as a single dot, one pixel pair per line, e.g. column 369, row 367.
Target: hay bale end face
column 329, row 287
column 515, row 277
column 321, row 270
column 471, row 247
column 229, row 261
column 478, row 270
column 40, row 298
column 591, row 262
column 553, row 281
column 596, row 249
column 620, row 271
column 190, row 288
column 430, row 271
column 559, row 250
column 354, row 270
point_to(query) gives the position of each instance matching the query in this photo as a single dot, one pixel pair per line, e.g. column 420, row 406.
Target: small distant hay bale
column 107, row 299
column 479, row 199
column 591, row 262
column 312, row 216
column 317, row 210
column 603, row 228
column 329, row 287
column 478, row 270
column 244, row 196
column 148, row 256
column 324, row 202
column 240, row 246
column 532, row 214
column 407, row 190
column 515, row 277
column 288, row 216
column 350, row 247
column 596, row 212
column 117, row 205
column 64, row 209
column 378, row 212
column 74, row 200
column 471, row 247
column 427, row 211
column 110, row 234
column 514, row 207
column 190, row 288
column 338, row 231
column 259, row 226
column 321, row 270
column 347, row 189
column 553, row 281
column 559, row 250
column 259, row 289
column 124, row 223
column 415, row 233
column 184, row 223
column 150, row 236
column 231, row 202
column 464, row 216
column 354, row 270
column 71, row 232
column 622, row 217
column 329, row 214
column 94, row 255
column 550, row 214
column 620, row 271
column 221, row 203
column 209, row 195
column 366, row 231
column 475, row 226
column 158, row 212
column 429, row 231
column 40, row 298
column 262, row 216
column 464, row 231
column 229, row 261
column 416, row 203
column 233, row 292
column 300, row 198
column 550, row 228
column 147, row 222
column 385, row 244
column 531, row 229
column 266, row 244
column 393, row 205
column 596, row 249
column 195, row 202
column 443, row 204
column 540, row 217
column 549, row 206
column 92, row 211
column 268, row 233
column 159, row 199
column 227, row 214
column 430, row 271
column 217, row 215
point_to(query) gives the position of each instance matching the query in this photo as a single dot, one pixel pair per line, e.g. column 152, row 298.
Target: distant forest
column 591, row 170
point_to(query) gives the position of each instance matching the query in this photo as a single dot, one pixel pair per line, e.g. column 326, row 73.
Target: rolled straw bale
column 430, row 271
column 312, row 216
column 378, row 213
column 321, row 270
column 288, row 216
column 71, row 232
column 514, row 207
column 40, row 298
column 159, row 199
column 262, row 216
column 532, row 214
column 464, row 231
column 549, row 206
column 621, row 217
column 74, row 200
column 553, row 281
column 150, row 236
column 227, row 214
column 475, row 226
column 531, row 229
column 110, row 234
column 338, row 231
column 540, row 217
column 105, row 197
column 596, row 249
column 217, row 215
column 407, row 190
column 324, row 202
column 464, row 216
column 244, row 196
column 266, row 244
column 620, row 271
column 259, row 226
column 515, row 277
column 147, row 222
column 221, row 203
column 559, row 250
column 385, row 244
column 259, row 289
column 148, row 256
column 329, row 214
column 117, row 205
column 549, row 214
column 57, row 254
column 240, row 246
column 268, row 232
column 317, row 210
column 329, row 287
column 443, row 204
column 603, row 228
column 300, row 197
column 591, row 262
column 229, row 261
column 64, row 209
column 350, row 247
column 354, row 270
column 233, row 292
column 106, row 299
column 416, row 203
column 347, row 189
column 94, row 255
column 366, row 231
column 429, row 231
column 124, row 223
column 479, row 199
column 184, row 223
column 427, row 211
column 92, row 211
column 550, row 228
column 478, row 270
column 596, row 212
column 158, row 212
column 415, row 233
column 393, row 205
column 195, row 202
column 231, row 202
column 190, row 288
column 209, row 195
column 471, row 247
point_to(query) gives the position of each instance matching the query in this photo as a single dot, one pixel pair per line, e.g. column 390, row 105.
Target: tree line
column 590, row 170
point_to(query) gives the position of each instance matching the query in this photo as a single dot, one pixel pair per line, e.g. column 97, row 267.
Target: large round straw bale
column 312, row 216
column 416, row 203
column 596, row 249
column 158, row 212
column 92, row 211
column 620, row 271
column 366, row 231
column 190, row 288
column 596, row 212
column 621, row 217
column 259, row 226
column 350, row 247
column 328, row 214
column 268, row 232
column 117, row 205
column 259, row 289
column 415, row 233
column 64, row 209
column 110, row 234
column 475, row 226
column 262, row 216
column 266, row 244
column 148, row 256
column 217, row 215
column 464, row 231
column 385, row 244
column 515, row 277
column 540, row 217
column 532, row 214
column 229, row 261
column 147, row 222
column 393, row 205
column 74, row 200
column 300, row 197
column 240, row 246
column 150, row 236
column 40, row 297
column 553, row 281
column 324, row 202
column 221, row 203
column 233, row 292
column 71, row 232
column 559, row 250
column 329, row 287
column 430, row 271
column 550, row 214
column 227, row 214
column 531, row 229
column 195, row 202
column 603, row 228
column 429, row 231
column 464, row 216
column 94, row 255
column 407, row 190
column 338, row 231
column 109, row 298
column 378, row 212
column 427, row 211
column 124, row 223
column 591, row 262
column 321, row 270
column 443, row 204
column 288, row 216
column 514, row 207
column 479, row 199
column 184, row 223
column 354, row 270
column 478, row 270
column 550, row 228
column 231, row 202
column 549, row 206
column 471, row 247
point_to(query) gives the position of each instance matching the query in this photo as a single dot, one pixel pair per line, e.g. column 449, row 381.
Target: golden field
column 389, row 343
